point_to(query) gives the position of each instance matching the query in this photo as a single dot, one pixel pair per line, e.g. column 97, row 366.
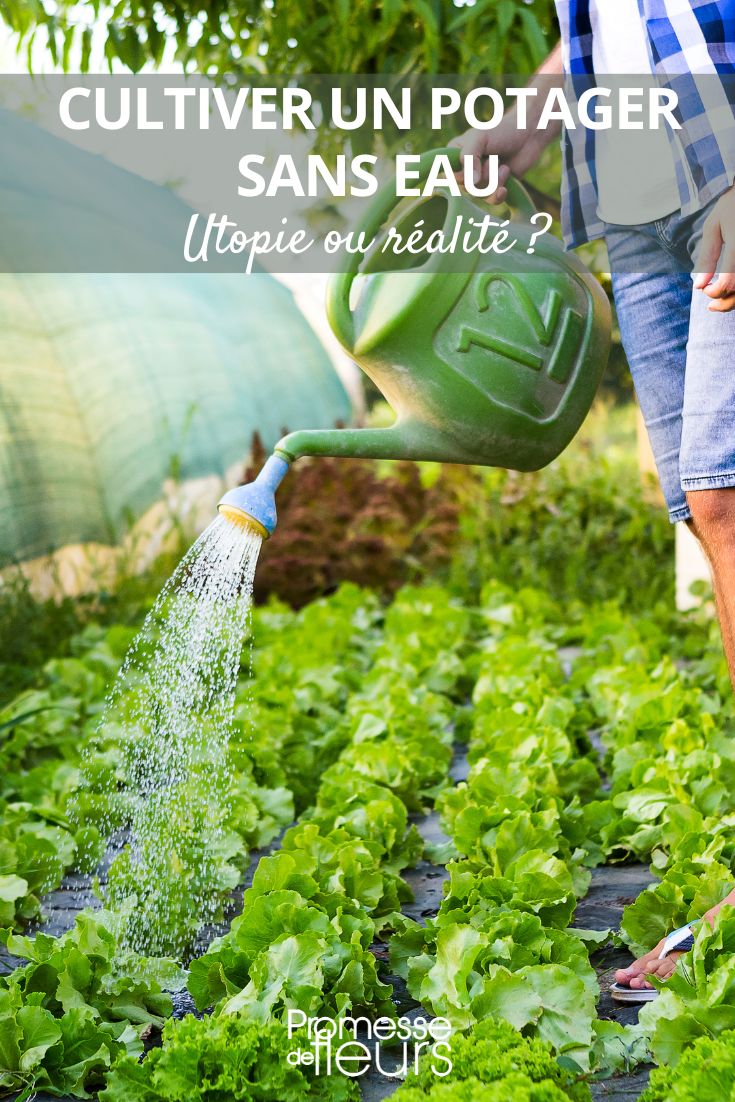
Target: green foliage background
column 288, row 36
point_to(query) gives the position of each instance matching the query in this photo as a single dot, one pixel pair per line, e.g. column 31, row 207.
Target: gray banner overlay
column 172, row 174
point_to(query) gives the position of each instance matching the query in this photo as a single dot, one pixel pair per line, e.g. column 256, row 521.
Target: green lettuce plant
column 78, row 1003
column 494, row 1063
column 225, row 1059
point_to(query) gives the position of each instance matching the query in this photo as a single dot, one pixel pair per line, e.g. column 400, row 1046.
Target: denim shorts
column 681, row 356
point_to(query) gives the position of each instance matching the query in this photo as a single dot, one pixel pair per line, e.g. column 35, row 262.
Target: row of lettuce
column 348, row 722
column 330, row 696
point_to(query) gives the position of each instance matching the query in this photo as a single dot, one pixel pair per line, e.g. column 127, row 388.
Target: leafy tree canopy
column 236, row 37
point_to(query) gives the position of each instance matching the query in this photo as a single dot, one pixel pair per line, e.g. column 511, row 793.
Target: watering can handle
column 338, row 289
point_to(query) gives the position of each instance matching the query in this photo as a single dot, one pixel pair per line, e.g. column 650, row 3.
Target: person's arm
column 717, row 251
column 517, row 149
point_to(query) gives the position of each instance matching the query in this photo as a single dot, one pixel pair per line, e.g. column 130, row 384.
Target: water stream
column 169, row 718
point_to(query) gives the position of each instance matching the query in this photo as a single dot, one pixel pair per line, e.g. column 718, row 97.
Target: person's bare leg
column 713, row 523
column 727, row 628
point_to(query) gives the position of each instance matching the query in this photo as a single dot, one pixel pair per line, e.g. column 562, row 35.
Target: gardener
column 674, row 214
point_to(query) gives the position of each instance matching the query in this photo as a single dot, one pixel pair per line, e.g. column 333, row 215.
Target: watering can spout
column 389, row 443
column 254, row 505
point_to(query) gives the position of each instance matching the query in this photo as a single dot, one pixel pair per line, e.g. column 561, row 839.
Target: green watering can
column 485, row 358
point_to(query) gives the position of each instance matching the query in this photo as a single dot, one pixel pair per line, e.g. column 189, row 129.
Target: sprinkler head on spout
column 254, row 505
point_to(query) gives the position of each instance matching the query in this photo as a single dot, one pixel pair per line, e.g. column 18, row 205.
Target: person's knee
column 713, row 516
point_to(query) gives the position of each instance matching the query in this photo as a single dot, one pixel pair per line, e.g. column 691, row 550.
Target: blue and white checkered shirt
column 686, row 39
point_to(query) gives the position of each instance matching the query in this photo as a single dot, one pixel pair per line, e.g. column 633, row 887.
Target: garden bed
column 612, row 888
column 349, row 727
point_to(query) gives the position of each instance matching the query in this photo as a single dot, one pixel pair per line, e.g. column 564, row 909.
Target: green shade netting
column 111, row 383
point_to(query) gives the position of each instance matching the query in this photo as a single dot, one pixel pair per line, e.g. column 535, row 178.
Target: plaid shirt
column 686, row 38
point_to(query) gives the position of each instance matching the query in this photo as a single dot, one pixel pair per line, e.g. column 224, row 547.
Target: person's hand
column 516, row 149
column 717, row 251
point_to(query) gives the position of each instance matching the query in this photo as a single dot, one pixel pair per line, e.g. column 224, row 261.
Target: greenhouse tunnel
column 110, row 384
